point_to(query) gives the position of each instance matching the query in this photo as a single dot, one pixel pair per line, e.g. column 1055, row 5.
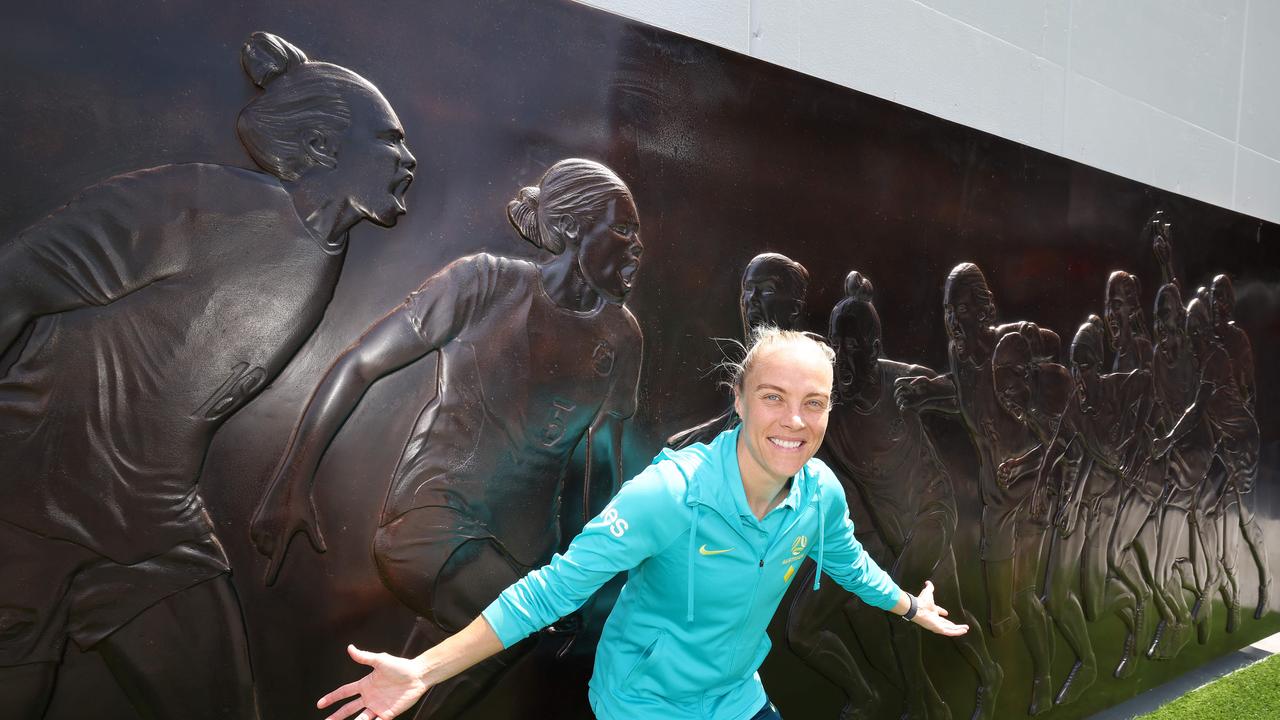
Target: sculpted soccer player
column 159, row 302
column 1037, row 393
column 1011, row 535
column 534, row 359
column 1241, row 521
column 1105, row 417
column 773, row 290
column 1186, row 468
column 888, row 464
column 1220, row 402
column 710, row 536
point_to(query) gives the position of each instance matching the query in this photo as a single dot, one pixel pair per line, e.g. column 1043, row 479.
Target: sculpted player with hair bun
column 534, row 358
column 159, row 302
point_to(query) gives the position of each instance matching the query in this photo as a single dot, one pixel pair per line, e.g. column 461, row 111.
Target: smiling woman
column 740, row 513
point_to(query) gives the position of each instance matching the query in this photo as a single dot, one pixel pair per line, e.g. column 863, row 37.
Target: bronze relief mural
column 203, row 359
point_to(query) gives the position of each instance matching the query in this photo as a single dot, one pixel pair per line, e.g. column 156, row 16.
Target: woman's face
column 784, row 403
column 610, row 248
column 962, row 315
column 374, row 166
column 768, row 298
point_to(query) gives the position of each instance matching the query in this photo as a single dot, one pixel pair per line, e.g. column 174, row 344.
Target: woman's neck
column 564, row 284
column 322, row 212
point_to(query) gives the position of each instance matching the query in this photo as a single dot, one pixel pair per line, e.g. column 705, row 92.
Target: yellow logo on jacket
column 799, row 545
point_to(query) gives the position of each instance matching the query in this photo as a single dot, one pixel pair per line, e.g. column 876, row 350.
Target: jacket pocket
column 644, row 663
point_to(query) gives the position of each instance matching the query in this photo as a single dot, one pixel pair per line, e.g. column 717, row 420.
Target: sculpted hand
column 908, row 392
column 1004, row 473
column 393, row 686
column 1160, row 247
column 282, row 512
column 933, row 617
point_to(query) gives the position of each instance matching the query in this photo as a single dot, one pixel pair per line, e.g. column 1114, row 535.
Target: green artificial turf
column 1247, row 694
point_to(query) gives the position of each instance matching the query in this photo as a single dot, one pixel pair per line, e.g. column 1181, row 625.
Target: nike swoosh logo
column 703, row 550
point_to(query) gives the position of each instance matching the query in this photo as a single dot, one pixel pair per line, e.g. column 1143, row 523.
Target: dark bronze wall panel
column 727, row 158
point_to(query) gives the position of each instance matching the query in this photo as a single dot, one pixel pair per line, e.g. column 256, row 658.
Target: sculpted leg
column 1064, row 607
column 1035, row 621
column 186, row 656
column 973, row 644
column 1257, row 548
column 473, row 576
column 809, row 636
column 916, row 564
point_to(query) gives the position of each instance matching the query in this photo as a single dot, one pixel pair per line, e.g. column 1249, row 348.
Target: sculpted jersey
column 519, row 381
column 186, row 288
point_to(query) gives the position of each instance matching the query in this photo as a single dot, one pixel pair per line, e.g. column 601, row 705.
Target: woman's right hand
column 392, row 686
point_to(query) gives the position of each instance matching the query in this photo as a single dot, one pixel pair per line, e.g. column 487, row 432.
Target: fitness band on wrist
column 910, row 614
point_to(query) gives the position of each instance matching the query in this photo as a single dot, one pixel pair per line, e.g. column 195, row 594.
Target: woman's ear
column 567, row 226
column 737, row 400
column 318, row 148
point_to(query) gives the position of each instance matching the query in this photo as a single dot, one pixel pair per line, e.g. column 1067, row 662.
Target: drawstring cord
column 693, row 549
column 822, row 538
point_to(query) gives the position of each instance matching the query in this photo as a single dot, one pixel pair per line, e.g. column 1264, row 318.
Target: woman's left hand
column 933, row 617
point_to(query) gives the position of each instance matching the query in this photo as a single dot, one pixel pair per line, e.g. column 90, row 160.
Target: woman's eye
column 772, row 397
column 623, row 230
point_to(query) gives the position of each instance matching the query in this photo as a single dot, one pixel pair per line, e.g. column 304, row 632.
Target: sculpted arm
column 926, row 393
column 287, row 505
column 428, row 319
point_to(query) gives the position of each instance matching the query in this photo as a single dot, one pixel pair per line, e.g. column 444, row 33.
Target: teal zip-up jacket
column 687, row 634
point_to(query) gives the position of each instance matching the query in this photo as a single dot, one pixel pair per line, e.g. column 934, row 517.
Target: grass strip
column 1249, row 693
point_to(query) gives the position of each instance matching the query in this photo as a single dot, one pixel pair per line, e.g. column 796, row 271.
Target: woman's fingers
column 348, row 710
column 364, row 657
column 346, row 691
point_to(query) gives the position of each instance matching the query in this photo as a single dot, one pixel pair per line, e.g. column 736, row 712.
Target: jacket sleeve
column 640, row 521
column 843, row 557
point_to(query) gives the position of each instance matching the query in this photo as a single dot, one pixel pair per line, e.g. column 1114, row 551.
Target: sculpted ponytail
column 523, row 214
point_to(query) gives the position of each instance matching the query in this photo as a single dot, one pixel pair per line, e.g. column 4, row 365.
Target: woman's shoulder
column 662, row 487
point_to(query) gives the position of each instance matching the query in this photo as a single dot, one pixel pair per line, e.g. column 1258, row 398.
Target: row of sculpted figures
column 138, row 318
column 1114, row 475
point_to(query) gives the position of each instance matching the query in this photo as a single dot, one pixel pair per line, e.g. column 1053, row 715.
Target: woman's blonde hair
column 765, row 337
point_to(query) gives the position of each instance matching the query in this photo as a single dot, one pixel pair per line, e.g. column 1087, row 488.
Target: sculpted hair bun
column 266, row 57
column 523, row 214
column 857, row 287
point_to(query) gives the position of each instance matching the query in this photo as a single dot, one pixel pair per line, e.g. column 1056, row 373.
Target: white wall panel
column 1118, row 133
column 1260, row 99
column 1039, row 26
column 1182, row 56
